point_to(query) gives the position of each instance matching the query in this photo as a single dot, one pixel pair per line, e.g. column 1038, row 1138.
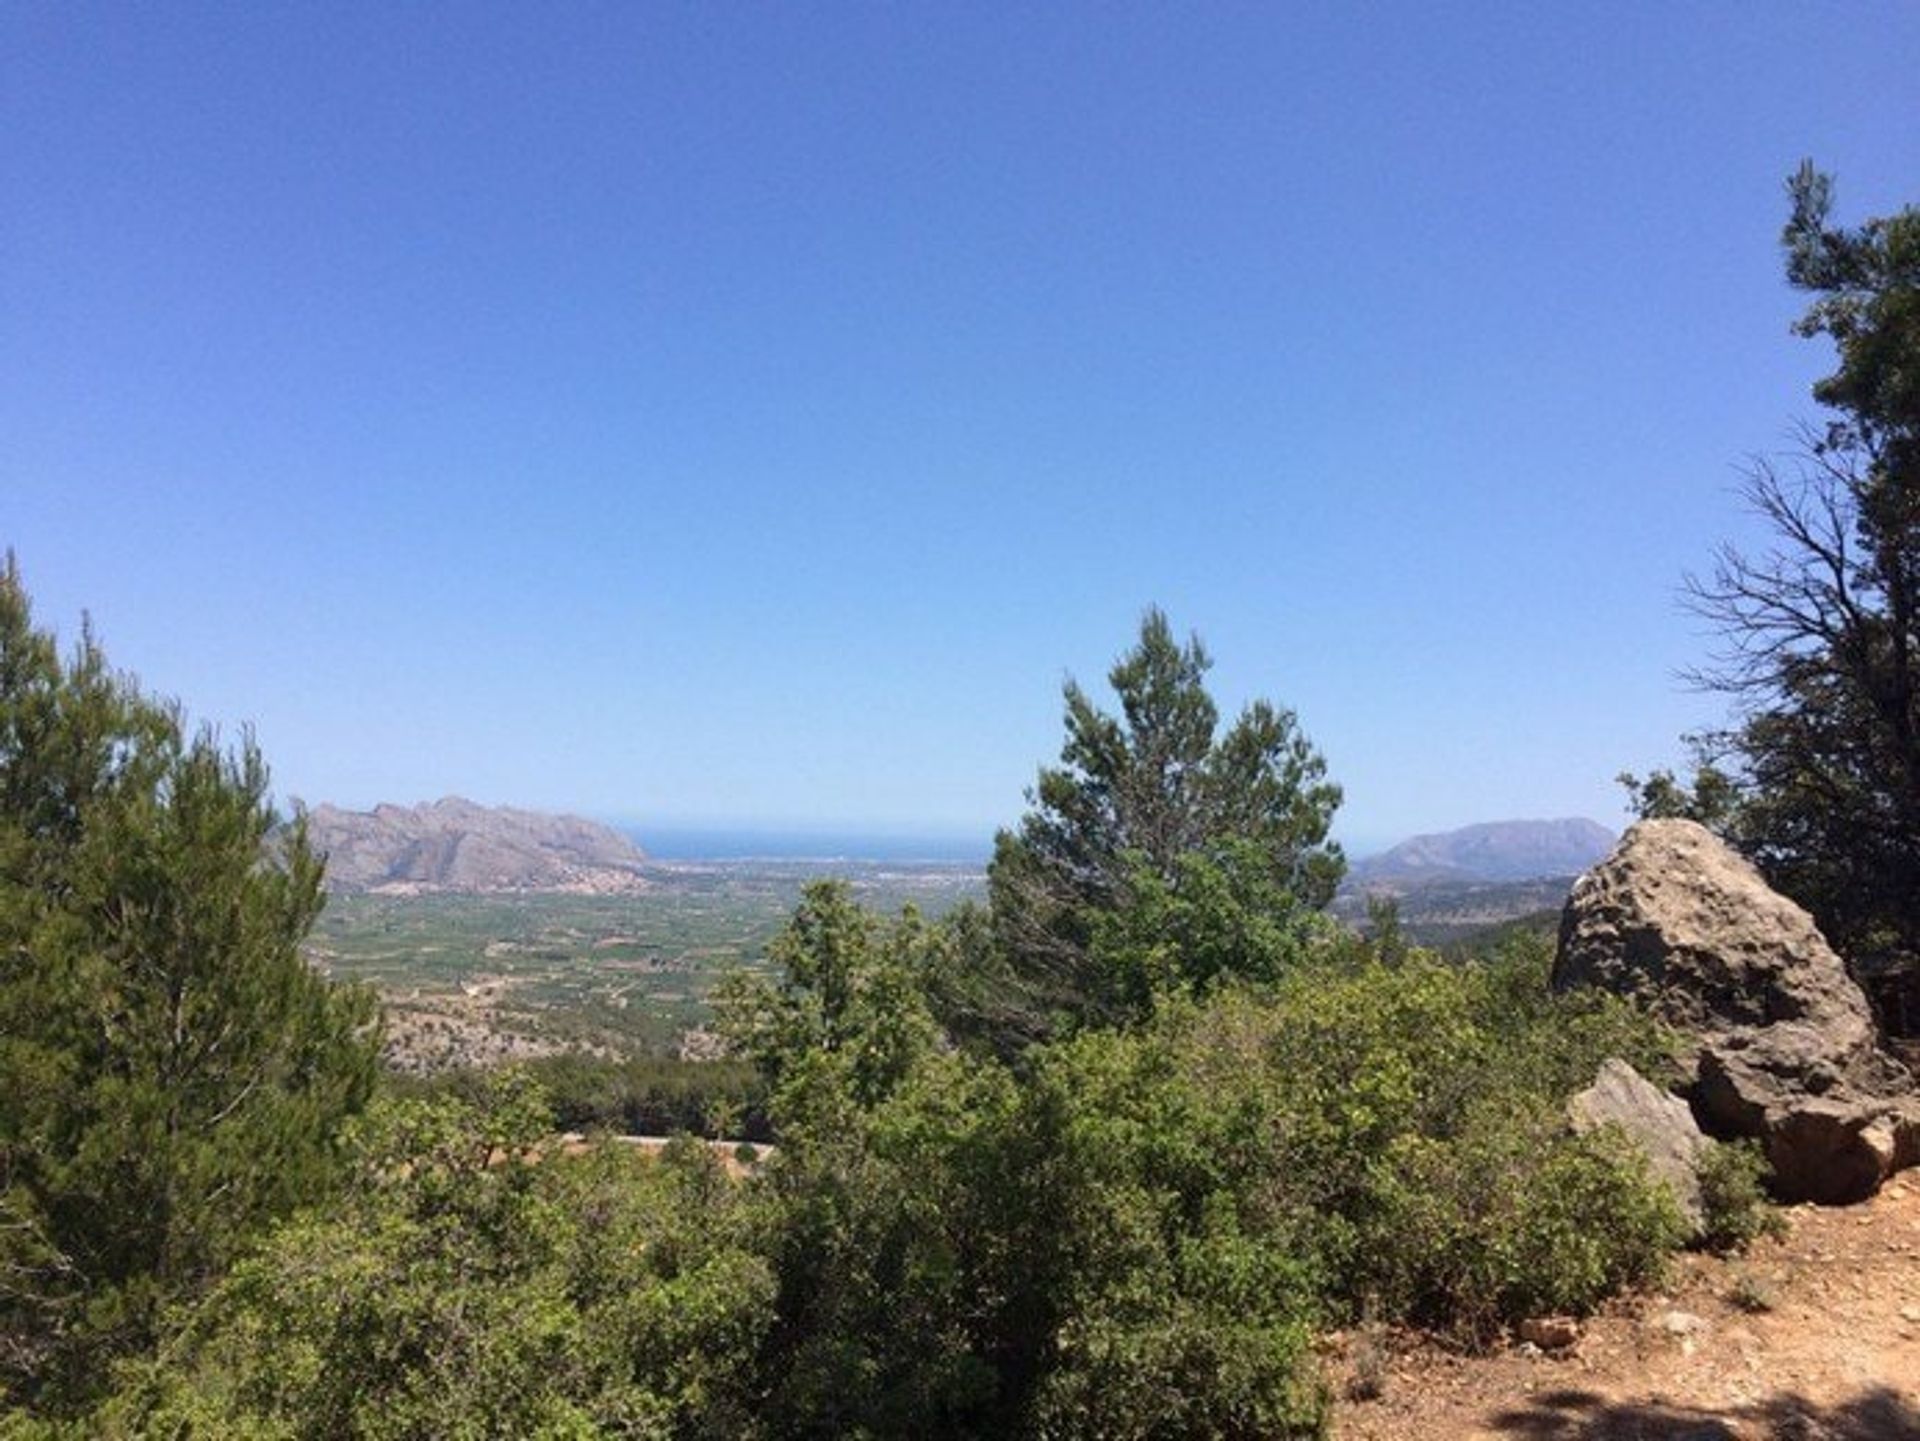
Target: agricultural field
column 480, row 979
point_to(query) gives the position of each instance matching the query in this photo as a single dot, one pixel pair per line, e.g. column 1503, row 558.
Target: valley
column 482, row 978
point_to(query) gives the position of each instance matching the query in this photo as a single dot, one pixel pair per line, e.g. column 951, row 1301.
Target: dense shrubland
column 1103, row 1170
column 1137, row 1234
column 460, row 1284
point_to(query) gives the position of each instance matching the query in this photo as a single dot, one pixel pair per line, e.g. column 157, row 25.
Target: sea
column 703, row 843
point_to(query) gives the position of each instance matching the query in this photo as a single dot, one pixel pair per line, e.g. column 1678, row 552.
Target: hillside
column 456, row 845
column 1492, row 851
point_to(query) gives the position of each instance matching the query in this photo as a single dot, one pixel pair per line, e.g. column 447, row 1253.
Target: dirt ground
column 1815, row 1337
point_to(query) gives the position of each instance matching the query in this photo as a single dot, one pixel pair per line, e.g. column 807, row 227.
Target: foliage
column 1733, row 1198
column 1135, row 1237
column 850, row 996
column 1821, row 633
column 908, row 1200
column 1221, row 915
column 918, row 1251
column 1712, row 797
column 1386, row 1136
column 174, row 1072
column 1139, row 1237
column 1145, row 808
column 639, row 1096
column 468, row 1286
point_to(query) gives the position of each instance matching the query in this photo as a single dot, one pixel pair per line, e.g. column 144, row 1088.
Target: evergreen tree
column 174, row 1073
column 850, row 996
column 1822, row 632
column 1152, row 806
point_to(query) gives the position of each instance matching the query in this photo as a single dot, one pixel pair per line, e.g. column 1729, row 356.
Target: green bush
column 468, row 1285
column 1173, row 1333
column 1733, row 1197
column 1512, row 1218
column 1393, row 1133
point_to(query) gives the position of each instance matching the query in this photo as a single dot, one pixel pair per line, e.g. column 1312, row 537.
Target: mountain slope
column 455, row 845
column 1492, row 851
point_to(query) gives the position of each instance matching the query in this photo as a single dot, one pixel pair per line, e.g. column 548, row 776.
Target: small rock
column 1682, row 1323
column 1550, row 1333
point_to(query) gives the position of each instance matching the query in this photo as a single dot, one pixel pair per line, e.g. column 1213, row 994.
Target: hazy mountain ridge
column 456, row 845
column 1493, row 851
column 1452, row 884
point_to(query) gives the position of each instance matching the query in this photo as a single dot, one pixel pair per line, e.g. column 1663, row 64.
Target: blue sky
column 750, row 414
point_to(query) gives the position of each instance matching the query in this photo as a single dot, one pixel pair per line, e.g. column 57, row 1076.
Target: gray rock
column 1658, row 1123
column 1678, row 920
column 1785, row 1048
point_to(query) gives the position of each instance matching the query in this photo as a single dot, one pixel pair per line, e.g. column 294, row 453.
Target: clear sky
column 707, row 413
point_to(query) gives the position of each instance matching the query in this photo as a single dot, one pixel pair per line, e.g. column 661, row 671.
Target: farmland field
column 469, row 979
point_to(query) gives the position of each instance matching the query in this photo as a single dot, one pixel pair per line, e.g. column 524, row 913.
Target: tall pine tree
column 1160, row 844
column 174, row 1072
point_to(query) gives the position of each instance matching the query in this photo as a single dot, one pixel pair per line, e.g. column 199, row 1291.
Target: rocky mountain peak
column 454, row 844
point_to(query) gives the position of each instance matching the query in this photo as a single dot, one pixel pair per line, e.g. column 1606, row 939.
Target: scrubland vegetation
column 1097, row 1158
column 1109, row 1180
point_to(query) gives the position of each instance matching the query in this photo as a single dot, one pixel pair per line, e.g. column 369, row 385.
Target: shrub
column 647, row 1095
column 469, row 1286
column 1387, row 1133
column 1514, row 1218
column 1733, row 1197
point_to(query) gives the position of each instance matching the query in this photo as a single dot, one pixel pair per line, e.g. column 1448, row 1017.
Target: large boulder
column 1658, row 1124
column 1784, row 1045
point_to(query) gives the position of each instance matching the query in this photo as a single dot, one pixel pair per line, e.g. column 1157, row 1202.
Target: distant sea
column 689, row 843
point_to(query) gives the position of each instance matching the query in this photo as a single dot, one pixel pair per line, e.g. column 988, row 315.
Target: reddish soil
column 1815, row 1337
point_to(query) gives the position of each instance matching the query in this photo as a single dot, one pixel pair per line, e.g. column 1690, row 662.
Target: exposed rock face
column 1786, row 1046
column 455, row 845
column 1657, row 1122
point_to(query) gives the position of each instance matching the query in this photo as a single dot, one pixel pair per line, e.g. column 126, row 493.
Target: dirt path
column 1825, row 1348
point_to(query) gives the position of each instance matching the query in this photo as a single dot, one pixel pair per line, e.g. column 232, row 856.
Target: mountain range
column 1448, row 886
column 1491, row 851
column 456, row 845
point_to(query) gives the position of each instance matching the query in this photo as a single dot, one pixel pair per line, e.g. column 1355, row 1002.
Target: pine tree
column 174, row 1072
column 1821, row 632
column 1151, row 818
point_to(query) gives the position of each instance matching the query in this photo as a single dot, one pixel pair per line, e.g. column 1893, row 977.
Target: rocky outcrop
column 1658, row 1124
column 1785, row 1048
column 456, row 845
